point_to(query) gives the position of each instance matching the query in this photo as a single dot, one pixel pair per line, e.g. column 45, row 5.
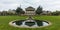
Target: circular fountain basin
column 29, row 23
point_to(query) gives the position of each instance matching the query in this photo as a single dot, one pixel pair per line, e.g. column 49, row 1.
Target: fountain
column 29, row 23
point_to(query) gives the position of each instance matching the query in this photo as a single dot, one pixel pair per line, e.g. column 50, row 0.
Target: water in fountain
column 30, row 23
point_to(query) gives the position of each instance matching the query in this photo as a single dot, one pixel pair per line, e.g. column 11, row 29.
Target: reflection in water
column 31, row 23
column 45, row 24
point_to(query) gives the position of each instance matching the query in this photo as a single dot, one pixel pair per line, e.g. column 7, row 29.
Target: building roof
column 30, row 8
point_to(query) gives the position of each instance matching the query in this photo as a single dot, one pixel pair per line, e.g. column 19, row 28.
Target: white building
column 30, row 11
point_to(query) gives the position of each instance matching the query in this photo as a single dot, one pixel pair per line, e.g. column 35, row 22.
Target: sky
column 47, row 5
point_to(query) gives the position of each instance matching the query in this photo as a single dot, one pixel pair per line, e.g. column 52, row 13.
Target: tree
column 23, row 12
column 19, row 11
column 39, row 10
column 56, row 13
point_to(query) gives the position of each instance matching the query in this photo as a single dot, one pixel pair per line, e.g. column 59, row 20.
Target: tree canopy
column 19, row 11
column 39, row 10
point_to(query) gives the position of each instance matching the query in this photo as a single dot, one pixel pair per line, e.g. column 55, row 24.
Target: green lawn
column 4, row 22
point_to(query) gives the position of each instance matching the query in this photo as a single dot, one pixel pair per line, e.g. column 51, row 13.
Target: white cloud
column 51, row 5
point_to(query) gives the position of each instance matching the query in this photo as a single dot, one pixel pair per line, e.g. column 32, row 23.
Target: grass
column 55, row 20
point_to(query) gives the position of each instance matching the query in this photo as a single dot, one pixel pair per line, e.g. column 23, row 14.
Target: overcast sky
column 50, row 5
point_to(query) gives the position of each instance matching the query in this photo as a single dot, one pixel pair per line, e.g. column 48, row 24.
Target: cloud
column 51, row 5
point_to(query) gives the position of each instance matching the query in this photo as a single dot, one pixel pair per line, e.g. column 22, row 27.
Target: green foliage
column 22, row 12
column 56, row 13
column 19, row 11
column 39, row 10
